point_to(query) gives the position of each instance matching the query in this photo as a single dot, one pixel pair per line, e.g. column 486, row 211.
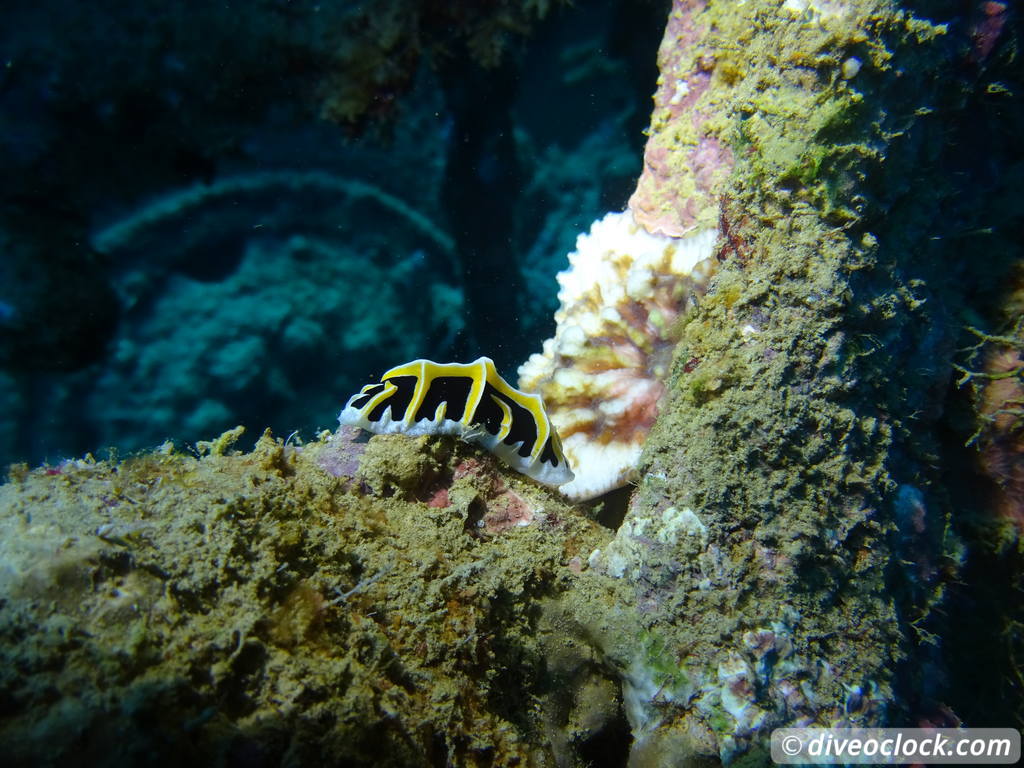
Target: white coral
column 602, row 375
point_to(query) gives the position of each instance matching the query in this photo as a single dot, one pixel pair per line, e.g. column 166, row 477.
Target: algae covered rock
column 255, row 609
column 792, row 542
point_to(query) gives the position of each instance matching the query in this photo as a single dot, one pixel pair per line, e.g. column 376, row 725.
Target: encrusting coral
column 602, row 375
column 632, row 278
column 789, row 544
column 994, row 370
column 235, row 604
column 686, row 159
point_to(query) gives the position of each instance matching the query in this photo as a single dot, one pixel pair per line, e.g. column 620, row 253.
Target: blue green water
column 235, row 218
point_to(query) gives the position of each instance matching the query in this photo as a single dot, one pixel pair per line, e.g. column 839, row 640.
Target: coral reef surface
column 340, row 601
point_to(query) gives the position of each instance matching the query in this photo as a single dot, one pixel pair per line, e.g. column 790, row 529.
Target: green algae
column 786, row 431
column 237, row 603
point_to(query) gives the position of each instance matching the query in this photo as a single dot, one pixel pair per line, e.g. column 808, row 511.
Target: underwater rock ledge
column 268, row 608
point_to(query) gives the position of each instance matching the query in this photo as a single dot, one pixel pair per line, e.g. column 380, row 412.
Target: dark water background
column 218, row 215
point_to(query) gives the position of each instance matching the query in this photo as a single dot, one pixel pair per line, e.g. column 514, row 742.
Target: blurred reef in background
column 238, row 215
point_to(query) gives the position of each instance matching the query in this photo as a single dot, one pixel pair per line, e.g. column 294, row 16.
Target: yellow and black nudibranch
column 471, row 401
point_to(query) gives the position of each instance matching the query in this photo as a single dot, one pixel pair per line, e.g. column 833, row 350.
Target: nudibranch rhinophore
column 470, row 401
column 603, row 374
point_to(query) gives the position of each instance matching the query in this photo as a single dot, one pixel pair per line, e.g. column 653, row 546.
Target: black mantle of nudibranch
column 470, row 400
